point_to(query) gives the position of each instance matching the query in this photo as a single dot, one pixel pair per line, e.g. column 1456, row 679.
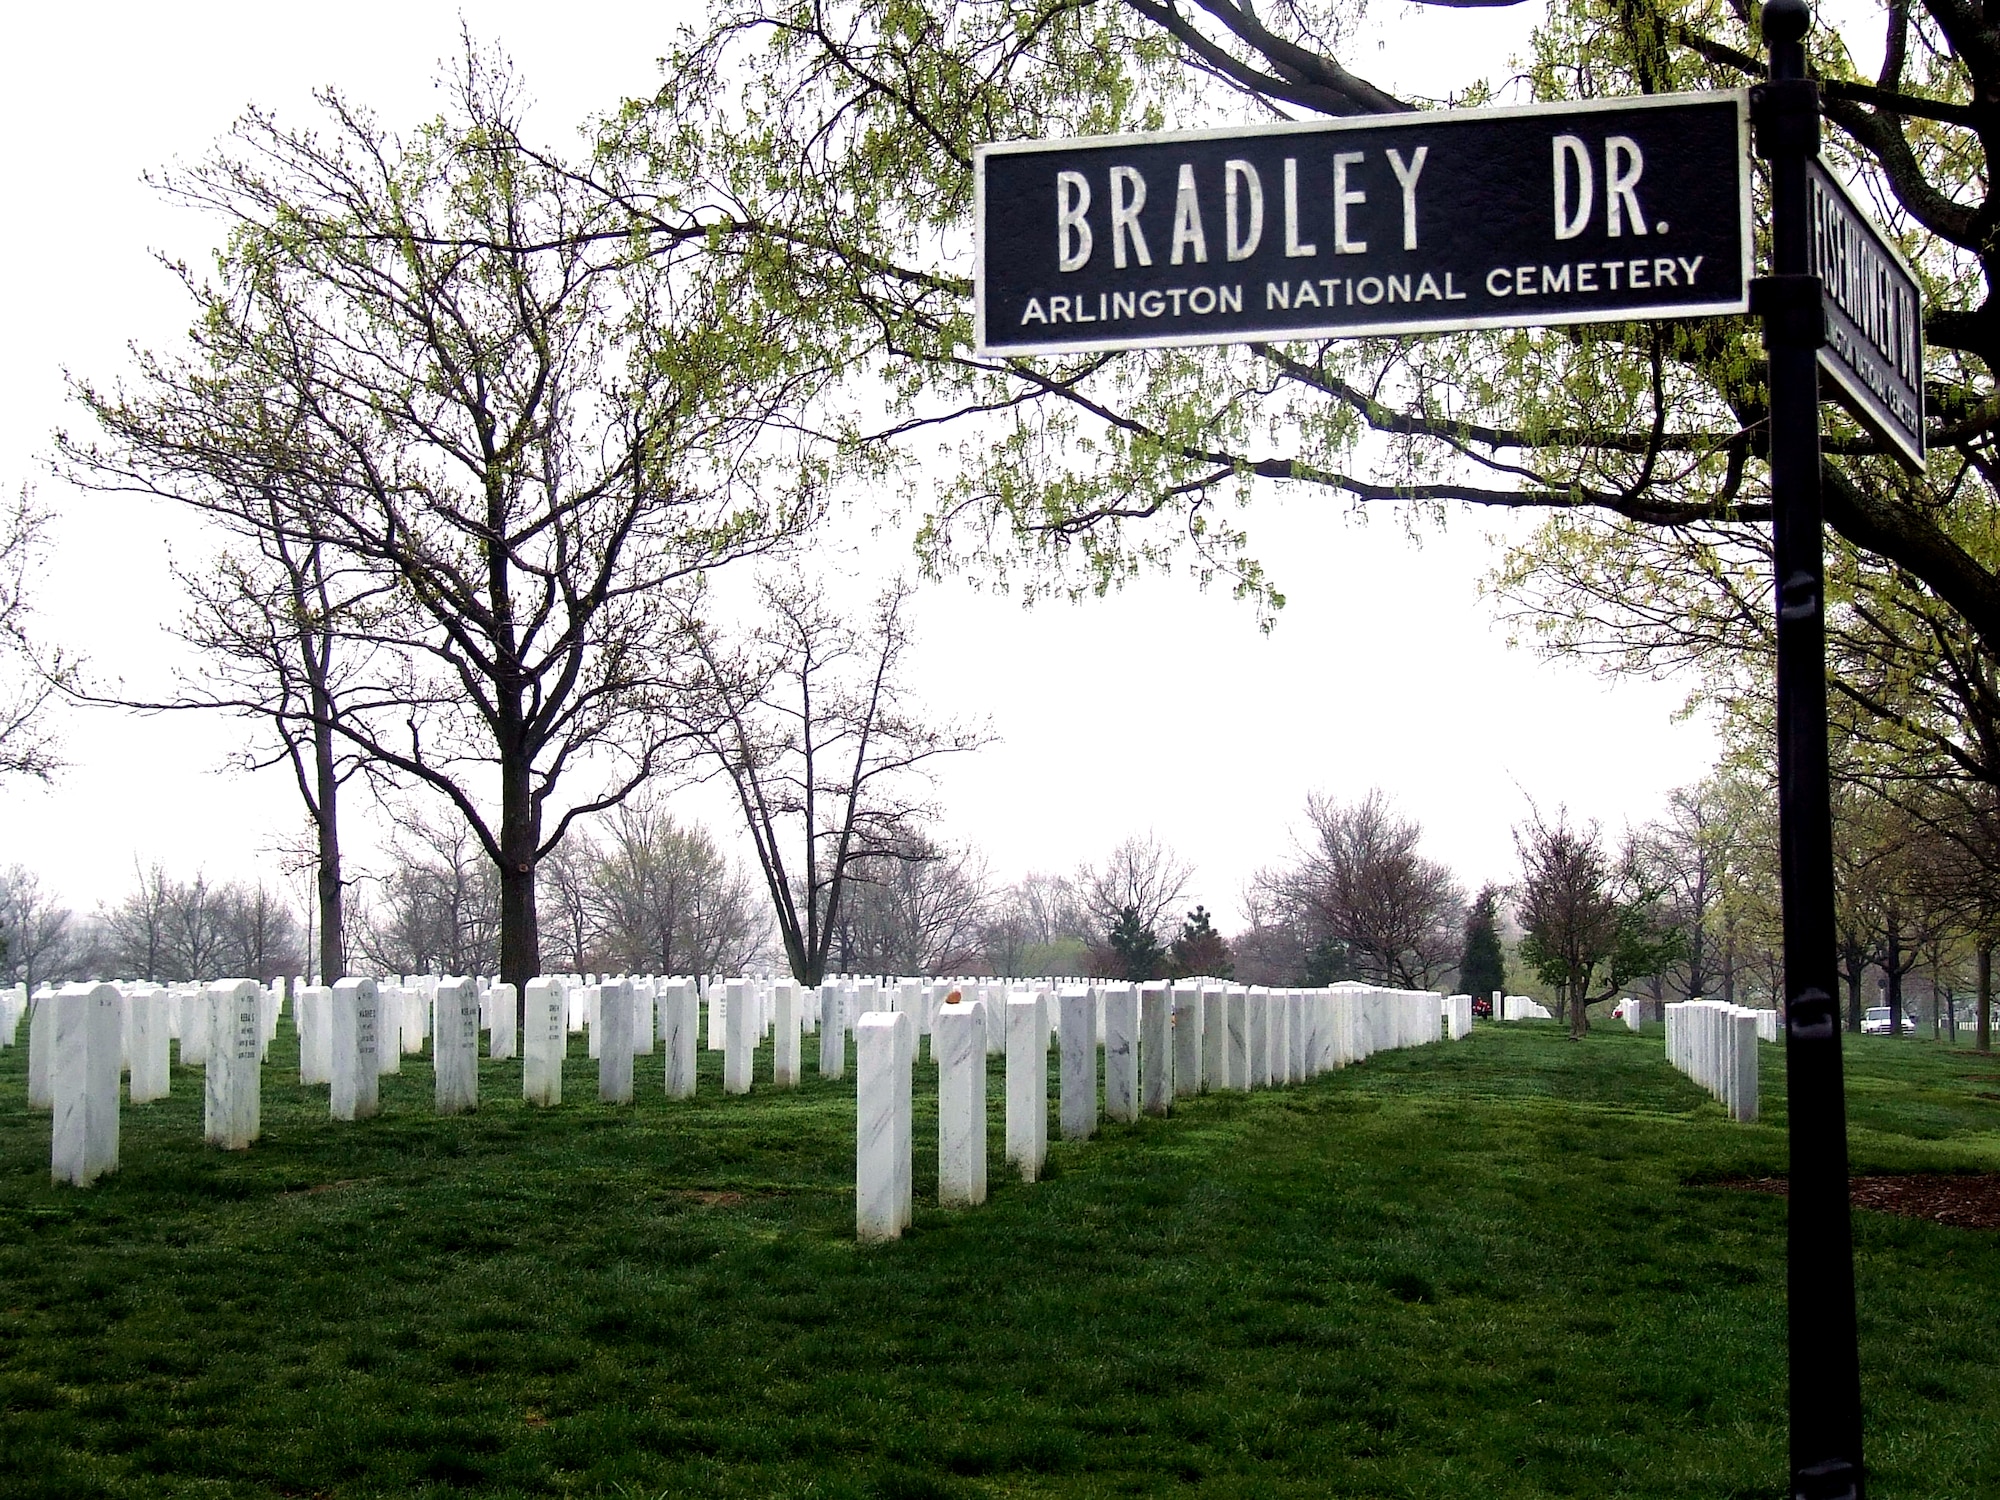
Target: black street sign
column 1874, row 350
column 1599, row 211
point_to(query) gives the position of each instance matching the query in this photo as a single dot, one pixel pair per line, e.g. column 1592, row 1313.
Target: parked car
column 1875, row 1022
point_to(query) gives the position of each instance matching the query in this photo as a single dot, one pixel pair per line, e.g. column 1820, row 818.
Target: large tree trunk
column 1851, row 971
column 520, row 832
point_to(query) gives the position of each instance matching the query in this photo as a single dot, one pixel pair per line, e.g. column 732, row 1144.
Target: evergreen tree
column 1138, row 950
column 1481, row 969
column 1200, row 949
column 1329, row 962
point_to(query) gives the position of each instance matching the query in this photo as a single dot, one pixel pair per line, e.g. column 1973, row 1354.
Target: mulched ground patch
column 1970, row 1200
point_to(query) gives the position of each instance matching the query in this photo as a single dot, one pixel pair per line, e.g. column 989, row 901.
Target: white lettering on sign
column 1072, row 228
column 1293, row 246
column 1406, row 177
column 1187, row 220
column 1640, row 273
column 1345, row 291
column 1242, row 247
column 1866, row 286
column 1569, row 149
column 1576, row 186
column 1128, row 196
column 1113, row 307
column 1345, row 197
column 1619, row 199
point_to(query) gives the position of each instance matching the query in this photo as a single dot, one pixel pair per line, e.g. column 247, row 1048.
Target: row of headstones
column 1157, row 1043
column 1715, row 1044
column 354, row 1032
column 1519, row 1008
column 152, row 1017
column 83, row 1037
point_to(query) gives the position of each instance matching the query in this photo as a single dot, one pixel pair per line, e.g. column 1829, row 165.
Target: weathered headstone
column 785, row 1036
column 1280, row 1037
column 884, row 1052
column 355, row 1015
column 1027, row 1084
column 503, row 1002
column 41, row 1049
column 86, row 1035
column 680, row 1023
column 388, row 1029
column 832, row 1031
column 644, row 1024
column 233, row 1094
column 1259, row 1001
column 1187, row 1024
column 1236, row 1040
column 455, row 1046
column 958, row 1040
column 150, row 1058
column 1214, row 1038
column 717, row 1007
column 1077, row 1043
column 612, row 1032
column 415, row 1013
column 1295, row 1036
column 740, row 1052
column 1121, row 1053
column 313, row 1015
column 1156, row 1050
column 544, row 1041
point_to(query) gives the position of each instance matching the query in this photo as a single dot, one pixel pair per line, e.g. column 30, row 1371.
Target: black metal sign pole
column 1825, row 1365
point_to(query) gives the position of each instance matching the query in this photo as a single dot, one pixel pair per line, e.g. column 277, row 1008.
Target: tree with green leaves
column 831, row 150
column 1482, row 968
column 535, row 428
column 1590, row 925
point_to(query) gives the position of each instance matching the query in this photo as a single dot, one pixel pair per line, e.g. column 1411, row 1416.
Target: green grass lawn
column 1495, row 1267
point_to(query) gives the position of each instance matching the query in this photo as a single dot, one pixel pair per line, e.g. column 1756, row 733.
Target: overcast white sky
column 1160, row 707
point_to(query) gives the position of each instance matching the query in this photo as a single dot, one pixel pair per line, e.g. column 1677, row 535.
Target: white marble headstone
column 958, row 1040
column 833, row 1003
column 1077, row 1045
column 1027, row 1084
column 1156, row 1050
column 354, row 1012
column 503, row 1003
column 233, row 1095
column 149, row 1054
column 884, row 1050
column 544, row 1041
column 611, row 1031
column 455, row 1046
column 1187, row 1024
column 1121, row 1053
column 739, row 1053
column 86, row 1024
column 785, row 1035
column 680, row 1016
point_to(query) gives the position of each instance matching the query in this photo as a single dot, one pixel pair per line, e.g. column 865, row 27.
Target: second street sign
column 1874, row 350
column 1451, row 219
